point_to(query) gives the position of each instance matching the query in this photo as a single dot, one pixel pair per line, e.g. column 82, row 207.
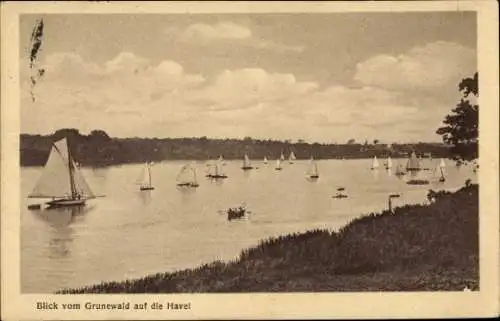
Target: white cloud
column 428, row 67
column 222, row 30
column 203, row 34
column 130, row 96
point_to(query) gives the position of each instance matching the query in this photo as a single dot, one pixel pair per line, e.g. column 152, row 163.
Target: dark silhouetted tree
column 461, row 126
column 351, row 141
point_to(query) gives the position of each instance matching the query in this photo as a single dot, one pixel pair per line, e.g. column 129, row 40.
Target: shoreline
column 418, row 248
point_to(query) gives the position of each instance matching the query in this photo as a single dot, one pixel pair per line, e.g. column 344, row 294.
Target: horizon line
column 287, row 141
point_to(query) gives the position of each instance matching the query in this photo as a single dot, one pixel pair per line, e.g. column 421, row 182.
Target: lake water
column 129, row 233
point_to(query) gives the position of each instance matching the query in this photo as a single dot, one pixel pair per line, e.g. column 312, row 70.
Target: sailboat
column 62, row 180
column 215, row 171
column 313, row 169
column 265, row 160
column 187, row 176
column 291, row 158
column 400, row 171
column 388, row 164
column 246, row 163
column 417, row 178
column 278, row 165
column 221, row 160
column 144, row 179
column 282, row 157
column 440, row 170
column 413, row 163
column 375, row 163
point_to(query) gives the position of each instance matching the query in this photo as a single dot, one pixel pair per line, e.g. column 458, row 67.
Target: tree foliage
column 461, row 125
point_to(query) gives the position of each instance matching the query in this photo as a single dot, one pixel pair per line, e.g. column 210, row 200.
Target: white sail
column 282, row 157
column 246, row 161
column 81, row 186
column 278, row 163
column 442, row 164
column 61, row 178
column 313, row 168
column 291, row 157
column 221, row 160
column 145, row 176
column 389, row 163
column 187, row 175
column 265, row 160
column 375, row 163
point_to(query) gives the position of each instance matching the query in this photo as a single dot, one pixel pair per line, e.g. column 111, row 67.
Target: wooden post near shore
column 390, row 201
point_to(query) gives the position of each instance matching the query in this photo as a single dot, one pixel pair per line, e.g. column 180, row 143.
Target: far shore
column 431, row 247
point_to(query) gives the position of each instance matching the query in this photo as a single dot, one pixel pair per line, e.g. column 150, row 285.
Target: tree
column 375, row 141
column 351, row 141
column 461, row 126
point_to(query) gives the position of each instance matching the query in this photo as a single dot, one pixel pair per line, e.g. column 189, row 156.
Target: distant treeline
column 98, row 149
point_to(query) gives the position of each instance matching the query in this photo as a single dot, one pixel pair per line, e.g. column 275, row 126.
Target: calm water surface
column 130, row 233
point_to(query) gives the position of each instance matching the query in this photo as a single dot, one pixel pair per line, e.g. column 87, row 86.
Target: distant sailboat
column 388, row 164
column 313, row 169
column 62, row 180
column 278, row 165
column 413, row 163
column 375, row 164
column 187, row 176
column 400, row 171
column 282, row 157
column 144, row 179
column 417, row 178
column 291, row 158
column 246, row 163
column 265, row 160
column 221, row 160
column 440, row 172
column 215, row 171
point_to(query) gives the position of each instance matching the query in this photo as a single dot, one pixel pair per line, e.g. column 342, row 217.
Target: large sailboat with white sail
column 61, row 180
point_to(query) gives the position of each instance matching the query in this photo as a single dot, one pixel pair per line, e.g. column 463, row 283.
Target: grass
column 417, row 248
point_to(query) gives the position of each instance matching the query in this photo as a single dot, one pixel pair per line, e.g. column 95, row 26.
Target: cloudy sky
column 324, row 77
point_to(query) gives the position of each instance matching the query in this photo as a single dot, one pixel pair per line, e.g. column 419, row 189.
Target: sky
column 320, row 77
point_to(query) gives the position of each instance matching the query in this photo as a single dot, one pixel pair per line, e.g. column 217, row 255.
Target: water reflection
column 145, row 197
column 61, row 232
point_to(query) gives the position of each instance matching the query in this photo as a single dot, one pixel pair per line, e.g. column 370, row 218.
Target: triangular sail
column 187, row 174
column 55, row 181
column 278, row 163
column 313, row 168
column 282, row 157
column 246, row 161
column 81, row 186
column 144, row 178
column 265, row 160
column 442, row 164
column 291, row 157
column 375, row 163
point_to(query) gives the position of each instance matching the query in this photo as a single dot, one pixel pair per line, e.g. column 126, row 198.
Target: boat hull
column 149, row 188
column 66, row 203
column 246, row 168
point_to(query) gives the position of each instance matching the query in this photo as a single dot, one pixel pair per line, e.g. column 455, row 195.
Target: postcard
column 248, row 160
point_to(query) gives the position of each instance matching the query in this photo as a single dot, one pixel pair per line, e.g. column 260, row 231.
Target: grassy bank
column 418, row 248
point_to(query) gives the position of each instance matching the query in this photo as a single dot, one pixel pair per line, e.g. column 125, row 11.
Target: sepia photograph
column 248, row 151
